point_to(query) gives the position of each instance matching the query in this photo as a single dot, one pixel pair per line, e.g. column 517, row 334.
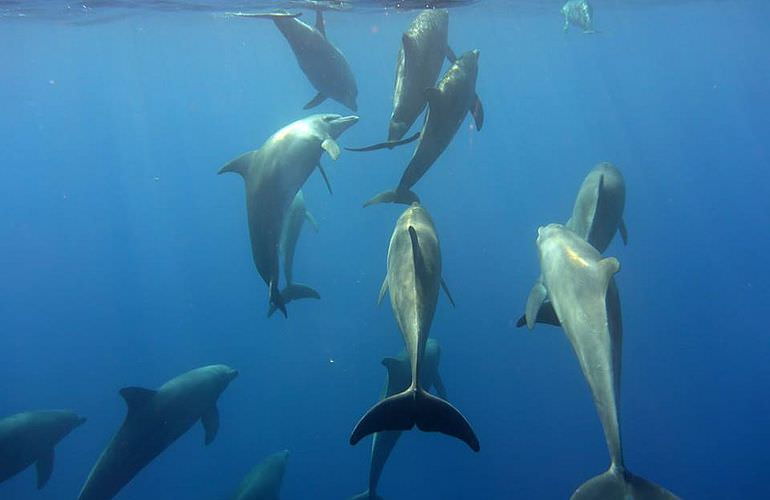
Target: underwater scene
column 490, row 249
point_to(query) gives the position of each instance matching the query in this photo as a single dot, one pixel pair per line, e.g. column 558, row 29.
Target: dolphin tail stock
column 415, row 406
column 620, row 483
column 366, row 496
column 387, row 144
column 403, row 196
column 293, row 292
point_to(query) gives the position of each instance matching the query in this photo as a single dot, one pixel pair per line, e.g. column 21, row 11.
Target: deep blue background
column 124, row 258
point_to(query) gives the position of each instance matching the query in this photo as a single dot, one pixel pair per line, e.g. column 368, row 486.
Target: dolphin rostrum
column 448, row 104
column 323, row 63
column 398, row 379
column 263, row 482
column 292, row 226
column 596, row 216
column 155, row 419
column 585, row 299
column 273, row 174
column 30, row 437
column 413, row 279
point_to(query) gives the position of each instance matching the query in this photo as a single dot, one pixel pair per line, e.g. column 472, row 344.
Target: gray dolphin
column 154, row 420
column 423, row 49
column 273, row 174
column 398, row 379
column 579, row 13
column 323, row 63
column 263, row 482
column 30, row 437
column 596, row 216
column 585, row 298
column 292, row 226
column 448, row 104
column 413, row 279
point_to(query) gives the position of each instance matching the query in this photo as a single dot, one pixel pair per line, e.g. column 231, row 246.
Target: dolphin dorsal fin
column 320, row 25
column 137, row 398
column 597, row 206
column 330, row 146
column 239, row 165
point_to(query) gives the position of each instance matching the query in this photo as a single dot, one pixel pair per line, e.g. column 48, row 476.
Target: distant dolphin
column 579, row 13
column 423, row 49
column 292, row 226
column 273, row 174
column 596, row 216
column 399, row 378
column 155, row 419
column 448, row 104
column 414, row 277
column 323, row 63
column 30, row 437
column 584, row 296
column 263, row 482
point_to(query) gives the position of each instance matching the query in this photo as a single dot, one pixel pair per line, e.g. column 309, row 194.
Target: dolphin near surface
column 448, row 104
column 273, row 174
column 586, row 301
column 30, row 437
column 413, row 281
column 323, row 63
column 579, row 13
column 263, row 482
column 154, row 420
column 596, row 217
column 397, row 381
column 292, row 227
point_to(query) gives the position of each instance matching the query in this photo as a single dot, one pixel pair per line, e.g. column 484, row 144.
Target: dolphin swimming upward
column 273, row 174
column 448, row 104
column 323, row 63
column 399, row 378
column 413, row 279
column 585, row 299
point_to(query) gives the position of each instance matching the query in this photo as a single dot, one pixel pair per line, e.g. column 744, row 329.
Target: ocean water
column 125, row 259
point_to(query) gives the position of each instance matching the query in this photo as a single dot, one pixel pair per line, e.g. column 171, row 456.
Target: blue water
column 125, row 259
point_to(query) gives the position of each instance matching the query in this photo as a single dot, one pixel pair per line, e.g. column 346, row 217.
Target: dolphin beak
column 234, row 374
column 345, row 122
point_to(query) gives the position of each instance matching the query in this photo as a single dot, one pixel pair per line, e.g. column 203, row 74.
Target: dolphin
column 448, row 104
column 323, row 63
column 585, row 298
column 273, row 174
column 30, row 437
column 579, row 13
column 263, row 482
column 413, row 279
column 596, row 216
column 292, row 226
column 154, row 420
column 398, row 380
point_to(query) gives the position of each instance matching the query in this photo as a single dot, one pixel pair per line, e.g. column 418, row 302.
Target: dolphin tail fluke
column 387, row 144
column 405, row 197
column 277, row 301
column 295, row 291
column 366, row 496
column 618, row 483
column 412, row 407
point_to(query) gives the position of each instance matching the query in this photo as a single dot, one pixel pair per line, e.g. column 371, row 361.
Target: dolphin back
column 621, row 484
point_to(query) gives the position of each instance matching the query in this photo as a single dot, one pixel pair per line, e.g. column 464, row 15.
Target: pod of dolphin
column 576, row 289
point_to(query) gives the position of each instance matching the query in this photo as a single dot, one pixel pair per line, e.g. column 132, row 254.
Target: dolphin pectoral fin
column 383, row 289
column 366, row 495
column 387, row 144
column 210, row 421
column 309, row 217
column 44, row 468
column 623, row 231
column 136, row 398
column 331, row 147
column 446, row 291
column 438, row 383
column 405, row 197
column 621, row 484
column 477, row 110
column 315, row 101
column 433, row 414
column 320, row 25
column 535, row 300
column 326, row 178
column 239, row 165
column 450, row 54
